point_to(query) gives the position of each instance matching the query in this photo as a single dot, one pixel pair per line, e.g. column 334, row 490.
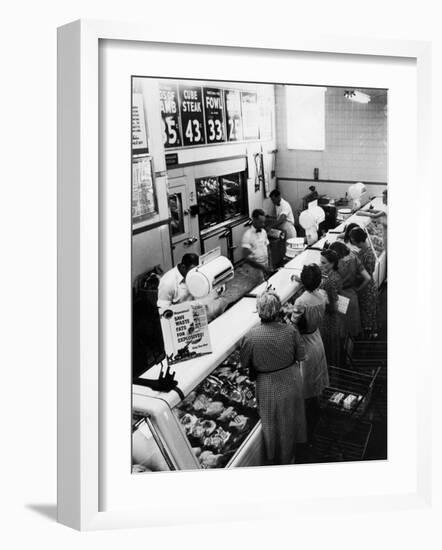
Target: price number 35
column 170, row 131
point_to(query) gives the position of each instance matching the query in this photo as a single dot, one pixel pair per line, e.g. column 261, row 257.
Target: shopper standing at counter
column 285, row 220
column 255, row 247
column 172, row 288
column 308, row 314
column 332, row 330
column 368, row 294
column 354, row 279
column 271, row 351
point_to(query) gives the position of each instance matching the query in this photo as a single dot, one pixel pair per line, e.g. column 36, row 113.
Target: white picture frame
column 80, row 294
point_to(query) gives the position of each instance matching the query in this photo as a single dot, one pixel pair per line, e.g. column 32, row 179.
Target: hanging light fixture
column 358, row 97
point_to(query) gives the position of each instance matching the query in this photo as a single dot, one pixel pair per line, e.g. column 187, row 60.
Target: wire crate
column 349, row 392
column 334, row 442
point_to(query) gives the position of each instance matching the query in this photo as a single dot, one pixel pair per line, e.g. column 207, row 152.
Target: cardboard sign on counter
column 185, row 331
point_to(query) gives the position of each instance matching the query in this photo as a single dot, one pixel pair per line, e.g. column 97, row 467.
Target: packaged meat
column 336, row 398
column 209, row 460
column 198, row 432
column 238, row 423
column 201, row 402
column 227, row 414
column 188, row 421
column 351, row 400
column 218, row 440
column 209, row 426
column 196, row 451
column 214, row 409
column 236, row 396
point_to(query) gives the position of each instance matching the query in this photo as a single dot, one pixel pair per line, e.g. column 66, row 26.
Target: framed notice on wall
column 143, row 190
column 139, row 135
column 250, row 115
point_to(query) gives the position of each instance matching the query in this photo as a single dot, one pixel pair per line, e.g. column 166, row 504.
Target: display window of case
column 221, row 198
column 376, row 235
column 219, row 414
column 215, row 426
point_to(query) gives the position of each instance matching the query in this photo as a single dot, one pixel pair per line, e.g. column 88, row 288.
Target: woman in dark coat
column 354, row 279
column 332, row 329
column 272, row 350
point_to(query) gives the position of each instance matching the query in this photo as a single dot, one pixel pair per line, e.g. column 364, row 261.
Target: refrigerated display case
column 220, row 198
column 215, row 426
column 209, row 202
column 211, row 420
column 232, row 189
column 375, row 233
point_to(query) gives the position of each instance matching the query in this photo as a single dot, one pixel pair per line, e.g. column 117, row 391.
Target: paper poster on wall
column 170, row 115
column 250, row 115
column 185, row 331
column 265, row 108
column 143, row 191
column 192, row 116
column 233, row 115
column 139, row 135
column 214, row 115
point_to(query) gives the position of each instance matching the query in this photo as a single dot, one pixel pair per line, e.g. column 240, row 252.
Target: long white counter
column 233, row 324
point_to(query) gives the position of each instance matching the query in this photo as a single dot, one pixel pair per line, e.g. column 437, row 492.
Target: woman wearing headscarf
column 368, row 295
column 308, row 314
column 272, row 351
column 332, row 329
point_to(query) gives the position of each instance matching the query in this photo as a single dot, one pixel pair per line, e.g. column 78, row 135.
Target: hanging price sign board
column 192, row 116
column 214, row 115
column 233, row 115
column 170, row 115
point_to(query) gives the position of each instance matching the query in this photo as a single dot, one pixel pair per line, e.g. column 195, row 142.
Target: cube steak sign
column 170, row 115
column 214, row 115
column 192, row 116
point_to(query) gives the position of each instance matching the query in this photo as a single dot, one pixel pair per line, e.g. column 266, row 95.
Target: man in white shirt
column 172, row 288
column 285, row 220
column 255, row 247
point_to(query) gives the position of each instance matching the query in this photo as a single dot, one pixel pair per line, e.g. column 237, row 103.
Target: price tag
column 192, row 117
column 170, row 115
column 233, row 115
column 214, row 115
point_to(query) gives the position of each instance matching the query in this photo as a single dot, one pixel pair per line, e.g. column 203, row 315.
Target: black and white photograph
column 259, row 274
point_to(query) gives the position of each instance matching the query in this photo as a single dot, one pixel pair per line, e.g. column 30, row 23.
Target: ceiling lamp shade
column 358, row 97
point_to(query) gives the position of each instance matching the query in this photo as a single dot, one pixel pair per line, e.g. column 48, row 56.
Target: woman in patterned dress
column 354, row 278
column 368, row 295
column 271, row 352
column 308, row 314
column 332, row 329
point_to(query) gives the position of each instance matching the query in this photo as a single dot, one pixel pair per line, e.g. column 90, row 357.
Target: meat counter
column 212, row 420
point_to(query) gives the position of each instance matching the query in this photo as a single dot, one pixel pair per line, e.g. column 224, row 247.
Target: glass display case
column 220, row 198
column 232, row 195
column 219, row 414
column 216, row 425
column 376, row 235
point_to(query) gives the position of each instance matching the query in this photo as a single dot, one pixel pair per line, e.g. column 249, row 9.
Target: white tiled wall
column 355, row 140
